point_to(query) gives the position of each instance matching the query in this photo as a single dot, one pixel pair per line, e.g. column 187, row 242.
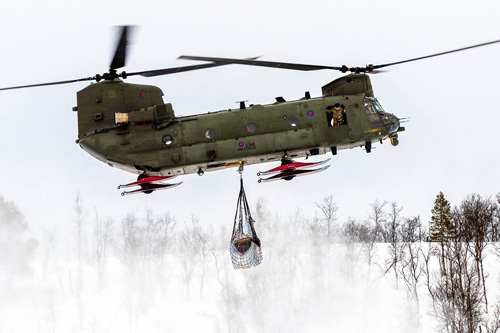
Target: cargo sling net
column 245, row 245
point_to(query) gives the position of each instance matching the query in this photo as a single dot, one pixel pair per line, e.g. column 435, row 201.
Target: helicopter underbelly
column 258, row 159
column 138, row 164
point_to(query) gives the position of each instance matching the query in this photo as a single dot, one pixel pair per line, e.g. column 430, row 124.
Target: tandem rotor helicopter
column 130, row 127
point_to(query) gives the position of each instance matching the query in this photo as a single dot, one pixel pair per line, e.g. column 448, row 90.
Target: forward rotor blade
column 250, row 62
column 49, row 83
column 165, row 71
column 305, row 67
column 120, row 56
column 434, row 55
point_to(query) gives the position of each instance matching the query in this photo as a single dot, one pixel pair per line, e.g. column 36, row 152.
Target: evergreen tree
column 441, row 227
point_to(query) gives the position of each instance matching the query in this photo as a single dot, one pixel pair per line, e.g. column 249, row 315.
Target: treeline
column 456, row 242
column 308, row 262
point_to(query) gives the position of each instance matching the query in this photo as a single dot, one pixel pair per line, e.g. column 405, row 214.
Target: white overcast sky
column 450, row 145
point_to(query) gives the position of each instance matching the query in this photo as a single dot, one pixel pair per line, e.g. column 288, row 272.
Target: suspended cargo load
column 245, row 244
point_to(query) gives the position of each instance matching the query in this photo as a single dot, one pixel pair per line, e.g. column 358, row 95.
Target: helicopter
column 130, row 127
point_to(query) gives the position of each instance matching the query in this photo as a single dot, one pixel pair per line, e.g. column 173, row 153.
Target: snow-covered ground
column 184, row 282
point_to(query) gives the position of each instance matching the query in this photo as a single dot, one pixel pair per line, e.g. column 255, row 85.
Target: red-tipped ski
column 148, row 181
column 151, row 188
column 292, row 166
column 292, row 174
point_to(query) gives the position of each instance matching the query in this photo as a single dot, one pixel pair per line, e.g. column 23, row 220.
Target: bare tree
column 128, row 242
column 428, row 252
column 163, row 239
column 493, row 232
column 362, row 234
column 412, row 268
column 188, row 251
column 262, row 216
column 102, row 232
column 365, row 233
column 496, row 223
column 157, row 239
column 203, row 238
column 232, row 301
column 493, row 323
column 393, row 236
column 456, row 296
column 80, row 237
column 217, row 250
column 329, row 215
column 378, row 216
column 81, row 250
column 474, row 219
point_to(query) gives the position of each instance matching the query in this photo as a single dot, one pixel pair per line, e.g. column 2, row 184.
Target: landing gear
column 368, row 146
column 286, row 161
column 149, row 184
column 334, row 150
column 290, row 169
column 143, row 176
column 200, row 172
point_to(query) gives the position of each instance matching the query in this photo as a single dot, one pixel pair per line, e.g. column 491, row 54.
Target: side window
column 251, row 127
column 293, row 121
column 209, row 133
column 336, row 115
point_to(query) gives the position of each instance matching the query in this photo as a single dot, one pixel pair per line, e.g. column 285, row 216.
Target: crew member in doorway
column 339, row 115
column 336, row 115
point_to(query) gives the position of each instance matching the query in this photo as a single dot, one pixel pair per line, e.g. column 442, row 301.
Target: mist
column 146, row 271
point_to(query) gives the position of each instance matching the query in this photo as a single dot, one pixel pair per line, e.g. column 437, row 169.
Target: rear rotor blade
column 120, row 56
column 149, row 73
column 49, row 83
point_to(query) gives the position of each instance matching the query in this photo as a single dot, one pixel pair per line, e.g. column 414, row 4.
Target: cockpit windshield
column 374, row 111
column 371, row 111
column 377, row 105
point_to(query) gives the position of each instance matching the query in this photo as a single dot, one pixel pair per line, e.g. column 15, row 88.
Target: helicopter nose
column 391, row 122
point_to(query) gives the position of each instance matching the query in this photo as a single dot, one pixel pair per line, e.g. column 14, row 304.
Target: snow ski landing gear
column 245, row 244
column 290, row 169
column 149, row 184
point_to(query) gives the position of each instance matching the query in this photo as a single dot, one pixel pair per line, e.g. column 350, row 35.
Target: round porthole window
column 251, row 127
column 293, row 121
column 167, row 139
column 209, row 133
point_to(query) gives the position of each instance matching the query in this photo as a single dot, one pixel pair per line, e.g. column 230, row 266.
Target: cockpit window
column 377, row 106
column 376, row 115
column 371, row 107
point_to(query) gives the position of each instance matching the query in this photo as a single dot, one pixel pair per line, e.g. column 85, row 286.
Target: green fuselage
column 152, row 139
